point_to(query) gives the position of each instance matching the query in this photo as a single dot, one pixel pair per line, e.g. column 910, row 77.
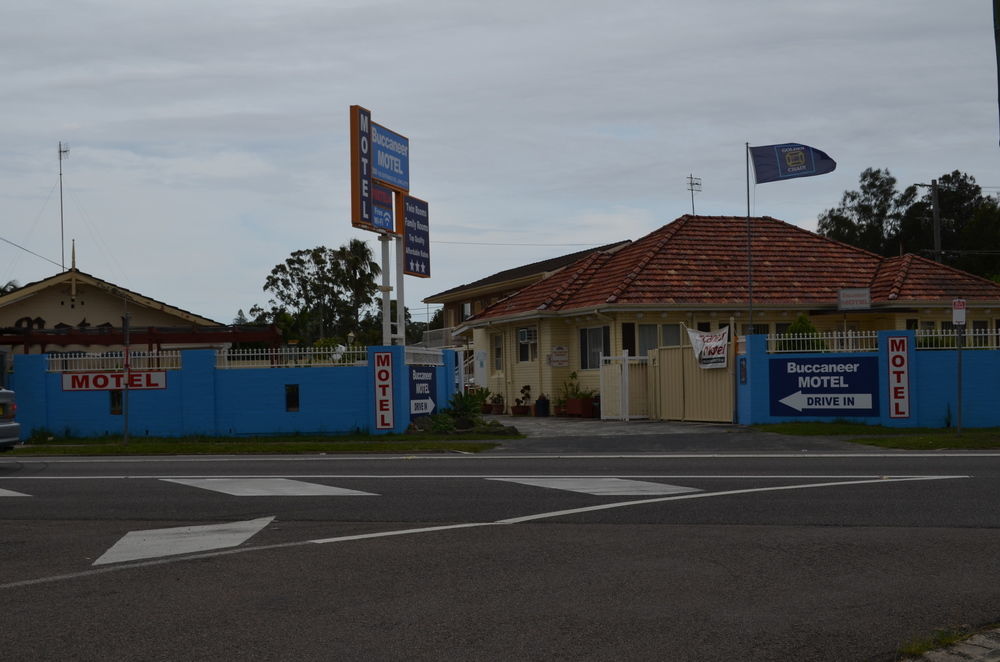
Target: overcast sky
column 209, row 138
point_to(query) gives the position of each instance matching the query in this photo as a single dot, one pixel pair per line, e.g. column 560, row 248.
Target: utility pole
column 936, row 211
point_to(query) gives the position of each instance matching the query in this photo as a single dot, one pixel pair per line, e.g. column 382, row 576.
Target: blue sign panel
column 382, row 208
column 391, row 157
column 841, row 386
column 416, row 238
column 423, row 390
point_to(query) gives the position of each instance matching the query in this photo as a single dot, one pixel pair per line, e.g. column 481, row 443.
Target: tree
column 371, row 326
column 320, row 292
column 970, row 225
column 869, row 218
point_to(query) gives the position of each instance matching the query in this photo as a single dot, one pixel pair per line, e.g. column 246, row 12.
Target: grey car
column 10, row 430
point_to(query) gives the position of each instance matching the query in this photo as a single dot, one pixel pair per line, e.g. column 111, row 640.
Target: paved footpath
column 555, row 434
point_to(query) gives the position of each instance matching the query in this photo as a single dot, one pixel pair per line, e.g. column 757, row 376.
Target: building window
column 466, row 310
column 911, row 324
column 496, row 346
column 781, row 328
column 671, row 335
column 527, row 344
column 648, row 338
column 291, row 397
column 594, row 342
column 758, row 328
column 116, row 402
column 704, row 327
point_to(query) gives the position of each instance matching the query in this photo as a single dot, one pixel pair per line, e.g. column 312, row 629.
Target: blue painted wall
column 933, row 383
column 200, row 399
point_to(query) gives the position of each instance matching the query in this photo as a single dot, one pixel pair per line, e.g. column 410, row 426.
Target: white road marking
column 600, row 486
column 155, row 543
column 250, row 487
column 509, row 521
column 11, row 493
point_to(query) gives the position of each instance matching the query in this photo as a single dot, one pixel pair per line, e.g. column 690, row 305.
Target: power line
column 29, row 251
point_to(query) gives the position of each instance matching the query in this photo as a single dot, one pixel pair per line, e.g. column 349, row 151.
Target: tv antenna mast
column 63, row 154
column 694, row 184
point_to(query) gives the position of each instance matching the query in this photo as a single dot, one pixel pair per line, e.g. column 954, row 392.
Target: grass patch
column 837, row 428
column 886, row 437
column 284, row 445
column 939, row 639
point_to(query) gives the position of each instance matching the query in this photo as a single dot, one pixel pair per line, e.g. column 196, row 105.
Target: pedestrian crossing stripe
column 251, row 487
column 602, row 486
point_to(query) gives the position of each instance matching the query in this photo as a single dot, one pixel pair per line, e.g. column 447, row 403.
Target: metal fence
column 112, row 361
column 832, row 341
column 424, row 356
column 949, row 339
column 291, row 357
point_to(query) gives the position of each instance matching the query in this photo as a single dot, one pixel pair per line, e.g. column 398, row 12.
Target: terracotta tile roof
column 533, row 269
column 702, row 260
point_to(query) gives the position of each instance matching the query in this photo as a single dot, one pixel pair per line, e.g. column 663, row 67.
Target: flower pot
column 497, row 409
column 582, row 407
column 520, row 410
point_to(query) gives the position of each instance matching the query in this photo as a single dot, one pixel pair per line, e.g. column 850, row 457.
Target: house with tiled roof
column 73, row 311
column 462, row 302
column 696, row 273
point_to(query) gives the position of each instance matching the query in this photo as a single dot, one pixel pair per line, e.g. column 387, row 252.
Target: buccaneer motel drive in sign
column 824, row 387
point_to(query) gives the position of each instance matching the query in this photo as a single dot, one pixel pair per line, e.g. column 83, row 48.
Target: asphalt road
column 805, row 554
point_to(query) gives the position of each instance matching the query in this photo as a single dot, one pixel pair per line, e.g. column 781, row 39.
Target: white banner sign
column 711, row 348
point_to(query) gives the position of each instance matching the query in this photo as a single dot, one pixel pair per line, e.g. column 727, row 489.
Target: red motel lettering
column 383, row 391
column 899, row 377
column 114, row 381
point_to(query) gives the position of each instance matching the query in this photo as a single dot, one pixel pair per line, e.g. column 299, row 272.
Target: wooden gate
column 680, row 390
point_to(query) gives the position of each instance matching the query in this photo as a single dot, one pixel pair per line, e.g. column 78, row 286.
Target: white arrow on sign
column 799, row 401
column 424, row 406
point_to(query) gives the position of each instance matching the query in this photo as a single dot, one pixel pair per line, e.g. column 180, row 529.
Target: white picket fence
column 291, row 357
column 113, row 361
column 832, row 341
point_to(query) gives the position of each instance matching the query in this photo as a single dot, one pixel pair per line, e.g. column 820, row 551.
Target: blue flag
column 773, row 163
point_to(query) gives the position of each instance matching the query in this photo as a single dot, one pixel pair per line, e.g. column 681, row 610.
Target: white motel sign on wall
column 114, row 381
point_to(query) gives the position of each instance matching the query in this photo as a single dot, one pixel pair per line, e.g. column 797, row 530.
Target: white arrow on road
column 424, row 406
column 155, row 543
column 799, row 401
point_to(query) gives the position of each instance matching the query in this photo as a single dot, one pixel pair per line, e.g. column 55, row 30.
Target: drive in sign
column 423, row 390
column 824, row 387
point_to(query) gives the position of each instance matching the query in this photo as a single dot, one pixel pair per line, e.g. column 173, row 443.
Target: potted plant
column 542, row 405
column 496, row 403
column 483, row 397
column 579, row 401
column 559, row 406
column 522, row 406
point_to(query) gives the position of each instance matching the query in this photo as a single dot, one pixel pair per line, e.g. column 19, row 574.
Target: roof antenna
column 694, row 184
column 63, row 154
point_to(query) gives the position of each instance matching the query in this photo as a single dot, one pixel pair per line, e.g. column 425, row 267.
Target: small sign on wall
column 114, row 381
column 383, row 391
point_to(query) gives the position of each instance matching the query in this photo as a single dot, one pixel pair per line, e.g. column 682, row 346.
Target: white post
column 386, row 290
column 400, row 300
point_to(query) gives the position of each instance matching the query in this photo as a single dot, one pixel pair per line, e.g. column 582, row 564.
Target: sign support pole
column 400, row 303
column 959, row 341
column 127, row 370
column 384, row 239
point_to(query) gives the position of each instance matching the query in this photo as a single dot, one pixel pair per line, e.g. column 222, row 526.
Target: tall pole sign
column 416, row 238
column 361, row 168
column 380, row 184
